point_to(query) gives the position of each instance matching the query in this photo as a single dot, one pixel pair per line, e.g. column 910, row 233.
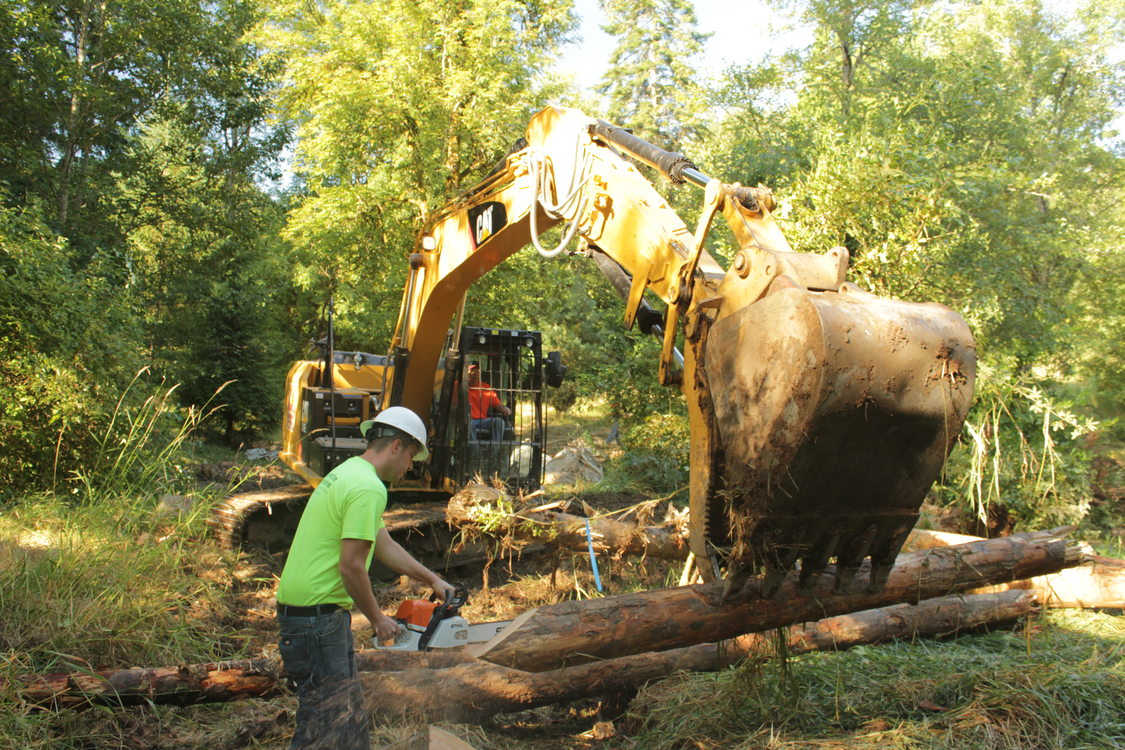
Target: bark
column 573, row 633
column 476, row 689
column 564, row 529
column 199, row 683
column 1098, row 585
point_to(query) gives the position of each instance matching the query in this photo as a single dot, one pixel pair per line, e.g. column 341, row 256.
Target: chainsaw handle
column 456, row 600
column 402, row 635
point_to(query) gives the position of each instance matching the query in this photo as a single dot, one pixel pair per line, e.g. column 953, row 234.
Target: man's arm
column 390, row 553
column 353, row 569
column 498, row 404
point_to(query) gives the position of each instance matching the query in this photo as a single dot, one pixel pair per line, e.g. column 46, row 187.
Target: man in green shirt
column 325, row 576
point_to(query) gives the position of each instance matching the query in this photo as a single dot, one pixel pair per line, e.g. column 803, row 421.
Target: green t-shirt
column 347, row 504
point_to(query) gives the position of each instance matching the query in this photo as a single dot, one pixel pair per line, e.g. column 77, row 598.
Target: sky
column 742, row 31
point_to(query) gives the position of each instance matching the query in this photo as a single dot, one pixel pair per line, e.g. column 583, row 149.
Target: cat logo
column 486, row 220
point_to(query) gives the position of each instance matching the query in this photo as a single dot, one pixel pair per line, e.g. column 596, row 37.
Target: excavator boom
column 820, row 414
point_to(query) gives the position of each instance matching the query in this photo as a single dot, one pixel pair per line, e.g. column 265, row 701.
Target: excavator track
column 280, row 507
column 267, row 519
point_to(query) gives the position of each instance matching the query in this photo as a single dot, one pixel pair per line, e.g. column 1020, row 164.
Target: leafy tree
column 960, row 153
column 85, row 74
column 208, row 272
column 129, row 161
column 397, row 107
column 208, row 268
column 651, row 83
column 68, row 348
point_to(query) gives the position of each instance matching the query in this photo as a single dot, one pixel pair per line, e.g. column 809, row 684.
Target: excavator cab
column 489, row 419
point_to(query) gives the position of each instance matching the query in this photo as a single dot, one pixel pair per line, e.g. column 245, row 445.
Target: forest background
column 184, row 185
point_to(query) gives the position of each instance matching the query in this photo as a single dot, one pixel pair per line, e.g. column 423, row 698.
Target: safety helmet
column 399, row 420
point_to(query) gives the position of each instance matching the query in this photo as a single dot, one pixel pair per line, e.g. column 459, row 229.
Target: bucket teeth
column 814, row 563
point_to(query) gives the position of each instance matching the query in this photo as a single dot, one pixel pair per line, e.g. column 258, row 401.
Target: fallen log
column 1099, row 585
column 182, row 685
column 572, row 633
column 199, row 683
column 402, row 674
column 477, row 506
column 476, row 689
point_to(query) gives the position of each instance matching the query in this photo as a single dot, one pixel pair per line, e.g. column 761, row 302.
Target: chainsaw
column 426, row 624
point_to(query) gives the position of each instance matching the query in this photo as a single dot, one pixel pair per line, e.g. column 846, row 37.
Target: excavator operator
column 482, row 401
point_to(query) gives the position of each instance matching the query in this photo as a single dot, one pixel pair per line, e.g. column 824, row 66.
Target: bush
column 657, row 456
column 1024, row 451
column 69, row 349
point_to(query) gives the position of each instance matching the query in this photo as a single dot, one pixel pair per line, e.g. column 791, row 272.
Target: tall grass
column 137, row 456
column 97, row 577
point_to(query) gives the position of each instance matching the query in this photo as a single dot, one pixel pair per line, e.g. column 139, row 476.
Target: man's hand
column 442, row 589
column 386, row 629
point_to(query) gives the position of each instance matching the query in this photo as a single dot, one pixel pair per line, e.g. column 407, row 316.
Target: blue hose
column 593, row 557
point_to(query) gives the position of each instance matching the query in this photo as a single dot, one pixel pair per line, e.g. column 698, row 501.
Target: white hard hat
column 402, row 420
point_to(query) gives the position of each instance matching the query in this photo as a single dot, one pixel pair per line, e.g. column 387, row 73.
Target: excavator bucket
column 834, row 413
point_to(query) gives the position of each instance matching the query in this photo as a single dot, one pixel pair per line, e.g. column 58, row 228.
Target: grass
column 79, row 587
column 1058, row 684
column 84, row 588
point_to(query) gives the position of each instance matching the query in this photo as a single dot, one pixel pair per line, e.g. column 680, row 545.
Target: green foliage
column 651, row 82
column 963, row 154
column 136, row 456
column 398, row 106
column 656, row 458
column 208, row 274
column 67, row 339
column 1024, row 451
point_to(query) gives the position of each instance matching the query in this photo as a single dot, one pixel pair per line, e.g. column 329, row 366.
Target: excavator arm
column 820, row 415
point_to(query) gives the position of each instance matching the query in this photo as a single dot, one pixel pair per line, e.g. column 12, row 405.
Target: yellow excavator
column 820, row 414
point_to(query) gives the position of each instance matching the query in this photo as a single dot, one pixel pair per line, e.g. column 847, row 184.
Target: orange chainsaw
column 426, row 624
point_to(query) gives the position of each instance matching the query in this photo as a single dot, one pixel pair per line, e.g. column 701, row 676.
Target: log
column 182, row 685
column 476, row 689
column 199, row 683
column 477, row 504
column 1100, row 585
column 573, row 633
column 403, row 676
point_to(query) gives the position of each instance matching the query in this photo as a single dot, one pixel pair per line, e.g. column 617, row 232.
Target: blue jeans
column 319, row 656
column 495, row 426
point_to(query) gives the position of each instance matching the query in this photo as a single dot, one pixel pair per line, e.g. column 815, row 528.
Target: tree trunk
column 564, row 529
column 574, row 633
column 1100, row 585
column 200, row 683
column 197, row 683
column 476, row 689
